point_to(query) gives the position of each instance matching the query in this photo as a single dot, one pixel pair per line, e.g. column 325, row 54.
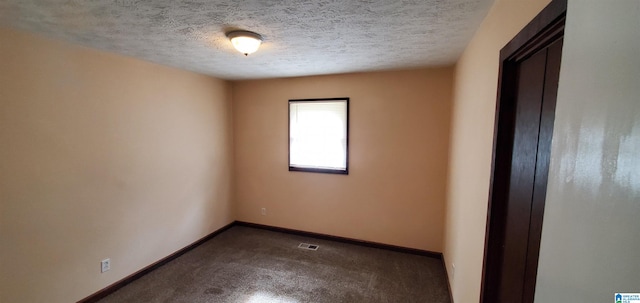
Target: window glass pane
column 318, row 134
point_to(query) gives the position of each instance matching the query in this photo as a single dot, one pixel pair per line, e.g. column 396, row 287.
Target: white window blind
column 318, row 135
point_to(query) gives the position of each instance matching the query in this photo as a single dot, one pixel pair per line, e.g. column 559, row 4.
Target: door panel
column 516, row 253
column 554, row 54
column 529, row 73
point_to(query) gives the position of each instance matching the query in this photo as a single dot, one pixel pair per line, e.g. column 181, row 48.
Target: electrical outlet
column 263, row 211
column 105, row 265
column 453, row 270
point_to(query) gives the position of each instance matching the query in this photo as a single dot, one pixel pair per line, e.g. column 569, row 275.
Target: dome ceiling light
column 245, row 42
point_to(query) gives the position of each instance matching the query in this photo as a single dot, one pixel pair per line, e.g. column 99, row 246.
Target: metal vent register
column 308, row 246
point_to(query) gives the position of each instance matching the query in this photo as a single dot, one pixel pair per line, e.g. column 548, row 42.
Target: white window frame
column 308, row 167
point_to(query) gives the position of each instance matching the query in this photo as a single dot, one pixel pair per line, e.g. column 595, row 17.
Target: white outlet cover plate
column 105, row 265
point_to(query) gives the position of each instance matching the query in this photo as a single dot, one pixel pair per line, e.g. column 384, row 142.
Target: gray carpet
column 252, row 265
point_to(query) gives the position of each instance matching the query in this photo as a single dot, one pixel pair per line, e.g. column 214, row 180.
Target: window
column 319, row 135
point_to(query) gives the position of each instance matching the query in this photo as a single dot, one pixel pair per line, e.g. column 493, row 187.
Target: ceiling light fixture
column 245, row 42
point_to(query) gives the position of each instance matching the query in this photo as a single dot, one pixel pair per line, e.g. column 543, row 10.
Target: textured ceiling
column 304, row 37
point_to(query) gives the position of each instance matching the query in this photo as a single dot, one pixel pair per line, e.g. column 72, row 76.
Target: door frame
column 544, row 29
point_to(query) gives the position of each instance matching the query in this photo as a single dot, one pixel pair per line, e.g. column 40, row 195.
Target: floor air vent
column 308, row 246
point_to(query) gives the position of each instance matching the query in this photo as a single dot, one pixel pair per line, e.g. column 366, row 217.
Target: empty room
column 319, row 151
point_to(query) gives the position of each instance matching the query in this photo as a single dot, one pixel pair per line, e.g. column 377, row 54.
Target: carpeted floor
column 252, row 265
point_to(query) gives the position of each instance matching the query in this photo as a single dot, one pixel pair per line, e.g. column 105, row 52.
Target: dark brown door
column 535, row 105
column 525, row 115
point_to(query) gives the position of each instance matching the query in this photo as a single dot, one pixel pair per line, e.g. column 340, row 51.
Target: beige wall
column 476, row 78
column 395, row 190
column 590, row 239
column 102, row 156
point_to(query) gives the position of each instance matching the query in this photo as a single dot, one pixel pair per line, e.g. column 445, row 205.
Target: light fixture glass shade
column 245, row 42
